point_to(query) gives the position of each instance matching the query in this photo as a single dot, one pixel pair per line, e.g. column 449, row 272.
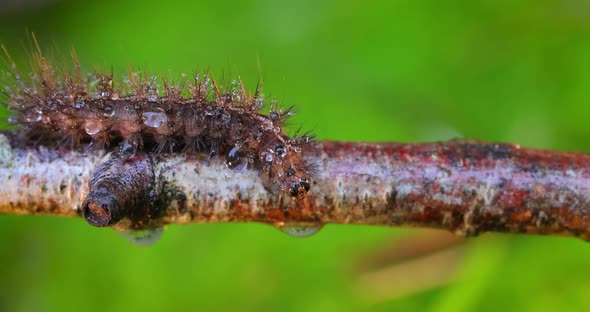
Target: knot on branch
column 122, row 187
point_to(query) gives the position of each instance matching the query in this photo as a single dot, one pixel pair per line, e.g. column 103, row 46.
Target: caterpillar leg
column 131, row 144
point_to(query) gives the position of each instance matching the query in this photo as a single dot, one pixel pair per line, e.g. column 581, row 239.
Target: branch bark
column 467, row 187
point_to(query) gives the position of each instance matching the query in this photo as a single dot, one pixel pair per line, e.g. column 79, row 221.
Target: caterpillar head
column 297, row 184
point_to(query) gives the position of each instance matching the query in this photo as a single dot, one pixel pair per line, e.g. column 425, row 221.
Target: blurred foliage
column 516, row 71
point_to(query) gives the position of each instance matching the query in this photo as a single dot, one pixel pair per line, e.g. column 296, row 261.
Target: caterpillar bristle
column 156, row 114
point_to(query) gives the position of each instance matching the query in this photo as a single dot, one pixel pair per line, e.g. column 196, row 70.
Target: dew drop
column 281, row 151
column 300, row 229
column 267, row 156
column 227, row 98
column 210, row 111
column 92, row 126
column 225, row 118
column 14, row 119
column 154, row 119
column 259, row 101
column 235, row 161
column 290, row 172
column 34, row 116
column 143, row 238
column 274, row 116
column 108, row 111
column 79, row 104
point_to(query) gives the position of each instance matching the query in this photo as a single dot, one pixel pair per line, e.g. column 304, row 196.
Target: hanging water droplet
column 300, row 229
column 154, row 119
column 235, row 161
column 143, row 238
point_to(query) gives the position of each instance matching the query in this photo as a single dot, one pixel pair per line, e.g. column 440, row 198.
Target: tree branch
column 467, row 187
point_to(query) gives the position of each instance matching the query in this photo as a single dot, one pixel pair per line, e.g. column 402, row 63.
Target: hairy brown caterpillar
column 96, row 111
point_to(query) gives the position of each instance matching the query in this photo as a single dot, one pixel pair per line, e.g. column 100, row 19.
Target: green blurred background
column 413, row 70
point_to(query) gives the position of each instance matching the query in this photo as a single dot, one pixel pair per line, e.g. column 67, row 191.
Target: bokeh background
column 393, row 70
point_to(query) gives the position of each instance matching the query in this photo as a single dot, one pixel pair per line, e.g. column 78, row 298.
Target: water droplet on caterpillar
column 108, row 111
column 300, row 229
column 33, row 116
column 79, row 104
column 14, row 119
column 92, row 127
column 225, row 98
column 235, row 161
column 225, row 118
column 143, row 238
column 290, row 172
column 281, row 151
column 154, row 119
column 210, row 111
column 258, row 98
column 267, row 156
column 274, row 116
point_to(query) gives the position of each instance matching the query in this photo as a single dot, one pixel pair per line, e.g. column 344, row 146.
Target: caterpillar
column 94, row 110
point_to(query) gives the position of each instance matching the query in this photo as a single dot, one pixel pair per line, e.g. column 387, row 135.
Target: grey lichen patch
column 180, row 174
column 6, row 154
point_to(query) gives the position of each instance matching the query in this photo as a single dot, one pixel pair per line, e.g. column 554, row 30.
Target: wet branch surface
column 466, row 187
